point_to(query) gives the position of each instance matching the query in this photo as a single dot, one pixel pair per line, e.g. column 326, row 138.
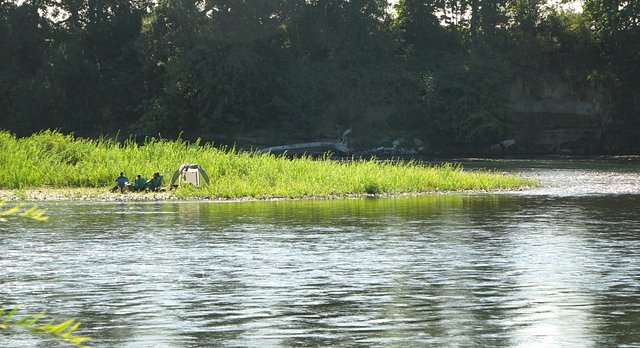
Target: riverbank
column 103, row 195
column 50, row 165
column 80, row 194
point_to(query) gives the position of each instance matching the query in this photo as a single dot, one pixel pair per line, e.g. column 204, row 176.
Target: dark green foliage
column 292, row 68
column 617, row 33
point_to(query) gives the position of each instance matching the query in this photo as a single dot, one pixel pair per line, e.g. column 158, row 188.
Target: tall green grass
column 52, row 159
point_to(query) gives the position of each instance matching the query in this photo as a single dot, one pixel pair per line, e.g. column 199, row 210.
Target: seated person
column 121, row 182
column 155, row 183
column 139, row 184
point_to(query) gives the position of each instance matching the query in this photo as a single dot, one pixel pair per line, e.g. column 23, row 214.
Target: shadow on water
column 535, row 268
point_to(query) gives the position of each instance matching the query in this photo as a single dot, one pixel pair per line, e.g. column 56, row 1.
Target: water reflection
column 500, row 270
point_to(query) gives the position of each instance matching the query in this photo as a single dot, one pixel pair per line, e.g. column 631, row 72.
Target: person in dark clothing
column 139, row 184
column 154, row 183
column 121, row 183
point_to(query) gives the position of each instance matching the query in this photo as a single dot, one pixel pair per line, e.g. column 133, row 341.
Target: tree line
column 440, row 68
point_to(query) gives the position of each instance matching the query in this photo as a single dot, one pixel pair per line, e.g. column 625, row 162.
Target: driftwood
column 388, row 152
column 313, row 148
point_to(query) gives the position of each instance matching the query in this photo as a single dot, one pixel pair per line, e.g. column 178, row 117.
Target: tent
column 190, row 173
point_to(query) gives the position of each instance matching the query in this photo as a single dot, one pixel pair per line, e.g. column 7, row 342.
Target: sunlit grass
column 51, row 159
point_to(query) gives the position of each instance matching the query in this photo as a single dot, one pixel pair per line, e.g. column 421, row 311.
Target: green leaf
column 10, row 315
column 62, row 330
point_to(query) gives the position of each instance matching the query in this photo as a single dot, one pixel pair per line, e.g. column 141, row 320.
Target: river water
column 556, row 266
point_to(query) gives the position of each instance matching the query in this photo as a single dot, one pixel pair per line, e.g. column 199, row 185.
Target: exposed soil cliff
column 551, row 117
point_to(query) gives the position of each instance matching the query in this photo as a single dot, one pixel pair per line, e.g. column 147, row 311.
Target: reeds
column 52, row 159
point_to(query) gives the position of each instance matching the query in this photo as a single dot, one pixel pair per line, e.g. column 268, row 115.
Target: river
column 555, row 266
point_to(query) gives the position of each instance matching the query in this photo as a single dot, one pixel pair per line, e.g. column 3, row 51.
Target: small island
column 50, row 165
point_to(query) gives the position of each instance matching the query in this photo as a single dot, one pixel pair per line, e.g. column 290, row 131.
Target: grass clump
column 52, row 159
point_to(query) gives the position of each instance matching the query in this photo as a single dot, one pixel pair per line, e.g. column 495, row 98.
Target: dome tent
column 190, row 173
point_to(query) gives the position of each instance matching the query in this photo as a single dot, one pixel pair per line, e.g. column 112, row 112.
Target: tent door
column 191, row 176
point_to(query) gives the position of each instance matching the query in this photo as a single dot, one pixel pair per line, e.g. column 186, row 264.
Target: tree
column 82, row 65
column 23, row 45
column 617, row 30
column 167, row 42
column 419, row 27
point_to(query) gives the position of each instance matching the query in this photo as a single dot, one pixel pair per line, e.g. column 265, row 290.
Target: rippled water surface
column 557, row 266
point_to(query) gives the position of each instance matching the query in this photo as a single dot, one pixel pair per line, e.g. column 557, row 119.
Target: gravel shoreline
column 82, row 194
column 104, row 195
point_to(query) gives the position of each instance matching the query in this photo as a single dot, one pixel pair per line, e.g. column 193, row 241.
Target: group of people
column 139, row 184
